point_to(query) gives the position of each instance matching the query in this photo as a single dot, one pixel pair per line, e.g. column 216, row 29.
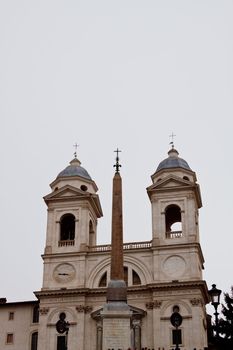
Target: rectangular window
column 11, row 315
column 61, row 342
column 35, row 315
column 9, row 338
column 176, row 336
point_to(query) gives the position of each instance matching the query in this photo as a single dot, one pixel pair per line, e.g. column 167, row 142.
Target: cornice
column 151, row 249
column 149, row 288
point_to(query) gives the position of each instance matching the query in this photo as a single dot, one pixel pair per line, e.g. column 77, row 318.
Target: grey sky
column 113, row 74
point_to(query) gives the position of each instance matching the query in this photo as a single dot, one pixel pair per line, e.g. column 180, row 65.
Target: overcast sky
column 109, row 74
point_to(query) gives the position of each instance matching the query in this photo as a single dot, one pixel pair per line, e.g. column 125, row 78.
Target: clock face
column 174, row 266
column 64, row 273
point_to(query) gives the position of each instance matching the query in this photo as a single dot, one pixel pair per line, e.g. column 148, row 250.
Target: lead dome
column 173, row 161
column 74, row 169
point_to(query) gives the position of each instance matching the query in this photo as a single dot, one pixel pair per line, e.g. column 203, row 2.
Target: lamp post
column 214, row 294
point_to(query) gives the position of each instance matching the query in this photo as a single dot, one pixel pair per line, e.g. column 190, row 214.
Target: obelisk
column 116, row 313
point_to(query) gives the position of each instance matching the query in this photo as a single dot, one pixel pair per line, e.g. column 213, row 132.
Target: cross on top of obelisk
column 117, row 165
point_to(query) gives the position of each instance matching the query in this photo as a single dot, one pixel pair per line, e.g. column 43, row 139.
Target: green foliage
column 226, row 322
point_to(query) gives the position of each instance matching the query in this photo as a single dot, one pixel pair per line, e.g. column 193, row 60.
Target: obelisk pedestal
column 116, row 326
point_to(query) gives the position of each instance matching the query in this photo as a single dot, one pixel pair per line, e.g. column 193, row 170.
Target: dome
column 74, row 169
column 173, row 161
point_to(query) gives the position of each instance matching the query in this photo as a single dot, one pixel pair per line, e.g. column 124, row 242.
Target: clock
column 174, row 266
column 64, row 273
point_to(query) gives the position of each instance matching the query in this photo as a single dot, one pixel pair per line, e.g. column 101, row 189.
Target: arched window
column 131, row 277
column 173, row 221
column 135, row 278
column 103, row 280
column 67, row 227
column 34, row 340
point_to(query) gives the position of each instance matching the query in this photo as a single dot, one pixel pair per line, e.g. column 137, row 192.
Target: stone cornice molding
column 84, row 308
column 54, row 324
column 44, row 310
column 196, row 302
column 165, row 318
column 149, row 288
column 156, row 304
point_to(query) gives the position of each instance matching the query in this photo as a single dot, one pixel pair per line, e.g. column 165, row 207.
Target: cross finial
column 75, row 147
column 117, row 165
column 172, row 139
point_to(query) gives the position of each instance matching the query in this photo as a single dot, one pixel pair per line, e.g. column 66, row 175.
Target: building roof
column 74, row 169
column 173, row 161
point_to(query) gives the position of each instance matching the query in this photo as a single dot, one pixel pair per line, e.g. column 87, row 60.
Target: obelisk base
column 116, row 326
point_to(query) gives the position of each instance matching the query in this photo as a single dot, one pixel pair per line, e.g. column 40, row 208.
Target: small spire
column 117, row 165
column 75, row 147
column 172, row 140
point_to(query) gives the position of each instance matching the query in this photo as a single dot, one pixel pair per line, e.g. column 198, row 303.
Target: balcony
column 174, row 234
column 66, row 243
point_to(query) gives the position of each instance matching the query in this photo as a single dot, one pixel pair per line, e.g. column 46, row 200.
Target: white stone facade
column 161, row 274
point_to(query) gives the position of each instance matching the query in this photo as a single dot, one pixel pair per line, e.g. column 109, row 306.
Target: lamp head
column 214, row 294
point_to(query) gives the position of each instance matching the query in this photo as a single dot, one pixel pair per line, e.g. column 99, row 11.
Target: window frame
column 34, row 340
column 11, row 315
column 9, row 338
column 64, row 236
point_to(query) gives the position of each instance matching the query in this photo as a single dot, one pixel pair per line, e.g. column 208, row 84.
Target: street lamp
column 214, row 294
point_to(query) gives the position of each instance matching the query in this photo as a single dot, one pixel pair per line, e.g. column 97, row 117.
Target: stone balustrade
column 126, row 246
column 66, row 243
column 174, row 234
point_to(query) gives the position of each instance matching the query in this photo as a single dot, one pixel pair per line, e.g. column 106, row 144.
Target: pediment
column 170, row 182
column 66, row 191
column 72, row 193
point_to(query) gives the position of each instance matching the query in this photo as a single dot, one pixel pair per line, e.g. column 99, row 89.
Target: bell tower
column 73, row 211
column 175, row 198
column 177, row 256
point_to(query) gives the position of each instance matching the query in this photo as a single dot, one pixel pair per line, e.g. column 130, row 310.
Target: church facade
column 163, row 275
